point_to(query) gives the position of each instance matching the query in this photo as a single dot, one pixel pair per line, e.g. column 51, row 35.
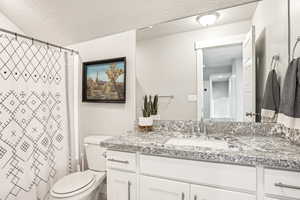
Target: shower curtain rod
column 37, row 40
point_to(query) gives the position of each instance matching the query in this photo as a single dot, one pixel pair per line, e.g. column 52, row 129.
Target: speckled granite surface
column 240, row 128
column 249, row 148
column 243, row 128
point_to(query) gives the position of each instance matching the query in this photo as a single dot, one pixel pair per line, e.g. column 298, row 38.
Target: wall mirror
column 213, row 65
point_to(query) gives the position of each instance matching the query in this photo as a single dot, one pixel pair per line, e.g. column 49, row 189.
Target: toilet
column 84, row 185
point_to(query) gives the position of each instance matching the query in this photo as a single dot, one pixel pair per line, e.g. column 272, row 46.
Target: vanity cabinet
column 209, row 193
column 131, row 176
column 121, row 185
column 155, row 188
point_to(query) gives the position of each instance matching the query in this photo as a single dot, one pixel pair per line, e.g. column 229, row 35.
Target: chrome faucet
column 203, row 127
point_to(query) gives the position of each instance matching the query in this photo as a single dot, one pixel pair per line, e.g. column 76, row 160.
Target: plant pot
column 155, row 117
column 145, row 121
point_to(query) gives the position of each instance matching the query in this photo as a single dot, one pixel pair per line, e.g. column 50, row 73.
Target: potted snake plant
column 146, row 120
column 154, row 108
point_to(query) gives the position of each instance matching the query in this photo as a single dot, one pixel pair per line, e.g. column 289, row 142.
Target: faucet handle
column 203, row 126
column 198, row 129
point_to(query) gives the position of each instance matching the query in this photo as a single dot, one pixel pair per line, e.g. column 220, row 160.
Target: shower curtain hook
column 72, row 52
column 60, row 49
column 32, row 41
column 16, row 36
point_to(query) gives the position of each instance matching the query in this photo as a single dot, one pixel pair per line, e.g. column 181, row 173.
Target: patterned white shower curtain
column 33, row 118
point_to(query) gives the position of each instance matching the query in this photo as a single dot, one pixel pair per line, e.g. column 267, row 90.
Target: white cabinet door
column 161, row 189
column 282, row 183
column 208, row 193
column 121, row 185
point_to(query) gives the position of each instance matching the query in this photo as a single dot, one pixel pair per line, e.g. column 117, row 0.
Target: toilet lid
column 73, row 184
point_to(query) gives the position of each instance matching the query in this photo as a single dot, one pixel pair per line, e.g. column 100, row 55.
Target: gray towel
column 289, row 111
column 271, row 100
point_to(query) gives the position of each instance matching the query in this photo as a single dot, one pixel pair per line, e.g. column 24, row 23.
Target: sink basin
column 215, row 144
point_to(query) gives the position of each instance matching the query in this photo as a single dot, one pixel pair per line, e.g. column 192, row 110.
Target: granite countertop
column 251, row 150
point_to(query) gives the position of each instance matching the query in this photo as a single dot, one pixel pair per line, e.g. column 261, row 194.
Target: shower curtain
column 34, row 145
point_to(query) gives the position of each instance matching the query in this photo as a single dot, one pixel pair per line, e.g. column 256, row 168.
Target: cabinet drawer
column 203, row 173
column 282, row 183
column 121, row 160
column 205, row 193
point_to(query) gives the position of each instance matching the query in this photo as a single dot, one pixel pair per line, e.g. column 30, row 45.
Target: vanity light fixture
column 209, row 19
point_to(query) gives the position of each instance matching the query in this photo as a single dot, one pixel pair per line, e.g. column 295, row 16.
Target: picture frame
column 104, row 81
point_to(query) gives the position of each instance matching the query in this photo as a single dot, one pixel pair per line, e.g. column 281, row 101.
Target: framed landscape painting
column 104, row 81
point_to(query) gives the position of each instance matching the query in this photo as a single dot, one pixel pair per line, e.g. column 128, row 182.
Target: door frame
column 199, row 46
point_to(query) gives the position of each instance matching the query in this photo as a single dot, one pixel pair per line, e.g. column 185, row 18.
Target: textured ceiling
column 71, row 21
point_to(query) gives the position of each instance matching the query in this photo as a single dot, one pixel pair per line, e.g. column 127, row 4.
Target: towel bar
column 166, row 96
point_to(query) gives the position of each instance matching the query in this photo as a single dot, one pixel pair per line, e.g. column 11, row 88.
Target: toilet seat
column 73, row 184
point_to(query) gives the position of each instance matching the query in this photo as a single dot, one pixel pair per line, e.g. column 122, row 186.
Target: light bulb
column 207, row 20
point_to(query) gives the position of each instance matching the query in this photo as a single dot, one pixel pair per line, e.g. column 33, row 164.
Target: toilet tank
column 95, row 153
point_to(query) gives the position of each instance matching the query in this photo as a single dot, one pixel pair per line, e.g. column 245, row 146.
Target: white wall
column 207, row 72
column 108, row 118
column 8, row 24
column 167, row 65
column 271, row 22
column 220, row 99
column 220, row 89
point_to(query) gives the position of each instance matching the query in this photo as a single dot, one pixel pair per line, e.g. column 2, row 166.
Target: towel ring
column 295, row 46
